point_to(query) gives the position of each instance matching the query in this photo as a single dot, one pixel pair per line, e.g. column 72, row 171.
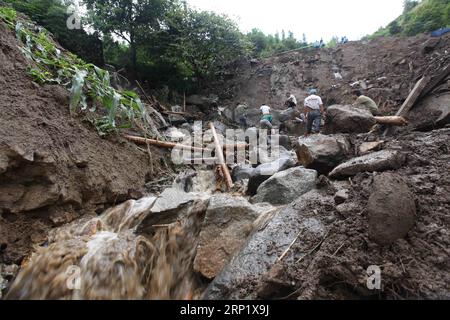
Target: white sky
column 316, row 18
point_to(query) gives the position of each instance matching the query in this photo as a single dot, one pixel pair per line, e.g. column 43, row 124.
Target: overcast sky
column 316, row 18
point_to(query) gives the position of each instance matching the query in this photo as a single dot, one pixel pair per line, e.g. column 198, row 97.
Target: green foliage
column 8, row 15
column 53, row 15
column 88, row 84
column 268, row 45
column 201, row 42
column 418, row 17
column 333, row 42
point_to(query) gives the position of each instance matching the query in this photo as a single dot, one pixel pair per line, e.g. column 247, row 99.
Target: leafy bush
column 89, row 85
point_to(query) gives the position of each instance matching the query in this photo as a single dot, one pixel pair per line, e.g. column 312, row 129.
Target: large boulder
column 241, row 277
column 431, row 112
column 286, row 186
column 373, row 162
column 348, row 119
column 227, row 224
column 321, row 152
column 391, row 209
column 266, row 170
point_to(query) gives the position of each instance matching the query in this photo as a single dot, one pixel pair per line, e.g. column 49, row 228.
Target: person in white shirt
column 313, row 110
column 265, row 109
column 267, row 118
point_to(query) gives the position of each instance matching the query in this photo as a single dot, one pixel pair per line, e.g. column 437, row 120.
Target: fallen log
column 220, row 156
column 162, row 144
column 392, row 120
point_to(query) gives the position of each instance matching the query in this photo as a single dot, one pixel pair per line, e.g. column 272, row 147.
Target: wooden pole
column 162, row 144
column 413, row 96
column 220, row 157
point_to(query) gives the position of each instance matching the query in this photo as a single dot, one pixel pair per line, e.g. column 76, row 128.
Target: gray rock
column 377, row 161
column 242, row 172
column 7, row 275
column 196, row 181
column 321, row 152
column 265, row 171
column 203, row 101
column 170, row 205
column 285, row 142
column 241, row 277
column 348, row 119
column 391, row 209
column 286, row 186
column 227, row 224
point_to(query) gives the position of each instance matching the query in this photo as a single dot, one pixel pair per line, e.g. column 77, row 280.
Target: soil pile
column 53, row 167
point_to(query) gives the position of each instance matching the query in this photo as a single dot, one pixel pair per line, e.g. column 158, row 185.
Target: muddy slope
column 390, row 68
column 53, row 167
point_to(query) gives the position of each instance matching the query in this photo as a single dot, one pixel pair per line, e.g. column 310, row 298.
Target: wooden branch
column 413, row 96
column 220, row 156
column 143, row 92
column 394, row 121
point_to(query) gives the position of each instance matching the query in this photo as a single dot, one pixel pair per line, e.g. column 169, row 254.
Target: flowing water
column 107, row 258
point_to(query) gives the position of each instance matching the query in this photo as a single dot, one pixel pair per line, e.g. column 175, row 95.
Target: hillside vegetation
column 419, row 17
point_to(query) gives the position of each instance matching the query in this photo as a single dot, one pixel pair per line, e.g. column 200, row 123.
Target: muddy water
column 105, row 258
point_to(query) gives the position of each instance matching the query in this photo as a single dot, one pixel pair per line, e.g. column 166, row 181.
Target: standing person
column 313, row 110
column 365, row 101
column 240, row 114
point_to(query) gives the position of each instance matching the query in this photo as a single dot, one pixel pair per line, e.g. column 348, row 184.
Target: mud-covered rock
column 341, row 196
column 431, row 112
column 348, row 119
column 367, row 147
column 286, row 186
column 227, row 224
column 377, row 161
column 321, row 152
column 391, row 209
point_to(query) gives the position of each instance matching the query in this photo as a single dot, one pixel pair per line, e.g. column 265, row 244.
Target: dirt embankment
column 53, row 167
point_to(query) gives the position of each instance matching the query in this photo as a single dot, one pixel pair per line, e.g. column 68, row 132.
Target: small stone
column 341, row 196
